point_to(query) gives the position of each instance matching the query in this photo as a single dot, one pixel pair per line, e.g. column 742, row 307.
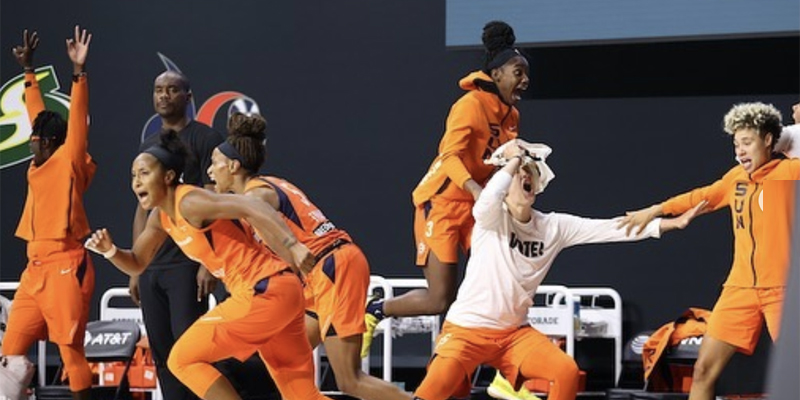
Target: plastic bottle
column 576, row 314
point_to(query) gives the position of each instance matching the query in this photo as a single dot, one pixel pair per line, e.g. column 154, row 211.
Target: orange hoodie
column 761, row 243
column 54, row 208
column 478, row 123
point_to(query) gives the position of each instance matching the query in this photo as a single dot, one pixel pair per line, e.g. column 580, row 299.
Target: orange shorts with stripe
column 53, row 298
column 740, row 313
column 442, row 226
column 504, row 350
column 336, row 291
column 271, row 322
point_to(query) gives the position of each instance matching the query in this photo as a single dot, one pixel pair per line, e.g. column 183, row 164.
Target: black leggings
column 170, row 306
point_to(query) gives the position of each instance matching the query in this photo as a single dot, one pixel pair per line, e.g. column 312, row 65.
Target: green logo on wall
column 15, row 127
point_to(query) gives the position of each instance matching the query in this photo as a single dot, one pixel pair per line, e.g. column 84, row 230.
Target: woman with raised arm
column 789, row 141
column 265, row 310
column 482, row 120
column 513, row 248
column 757, row 186
column 52, row 301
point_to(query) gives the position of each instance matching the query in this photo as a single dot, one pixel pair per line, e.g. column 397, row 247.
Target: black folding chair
column 106, row 341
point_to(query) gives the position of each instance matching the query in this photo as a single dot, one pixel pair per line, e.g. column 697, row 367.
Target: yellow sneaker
column 366, row 341
column 502, row 389
column 525, row 394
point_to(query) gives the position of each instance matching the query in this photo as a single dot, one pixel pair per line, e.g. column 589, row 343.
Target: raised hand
column 24, row 52
column 638, row 220
column 511, row 150
column 78, row 49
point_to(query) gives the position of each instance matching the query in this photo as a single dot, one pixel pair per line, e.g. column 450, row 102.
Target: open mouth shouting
column 217, row 186
column 142, row 196
column 746, row 162
column 516, row 95
column 528, row 186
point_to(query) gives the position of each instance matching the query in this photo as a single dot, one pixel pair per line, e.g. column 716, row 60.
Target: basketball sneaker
column 502, row 389
column 372, row 317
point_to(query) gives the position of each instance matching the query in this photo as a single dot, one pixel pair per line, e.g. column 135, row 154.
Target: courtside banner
column 111, row 339
column 15, row 125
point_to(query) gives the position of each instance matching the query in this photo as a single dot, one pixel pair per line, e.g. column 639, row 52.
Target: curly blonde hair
column 764, row 118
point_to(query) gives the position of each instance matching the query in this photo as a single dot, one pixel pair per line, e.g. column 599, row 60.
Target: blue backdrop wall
column 356, row 94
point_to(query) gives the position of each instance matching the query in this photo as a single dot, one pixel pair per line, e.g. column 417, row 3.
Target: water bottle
column 419, row 324
column 576, row 313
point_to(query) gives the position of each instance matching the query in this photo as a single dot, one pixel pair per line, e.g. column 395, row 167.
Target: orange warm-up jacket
column 691, row 324
column 54, row 209
column 761, row 244
column 478, row 123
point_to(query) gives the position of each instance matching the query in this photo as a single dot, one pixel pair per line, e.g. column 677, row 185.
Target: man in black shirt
column 172, row 291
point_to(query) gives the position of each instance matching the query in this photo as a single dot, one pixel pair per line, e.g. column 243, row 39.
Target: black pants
column 170, row 306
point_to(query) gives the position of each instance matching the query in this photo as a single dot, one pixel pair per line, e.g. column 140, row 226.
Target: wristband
column 111, row 252
column 77, row 76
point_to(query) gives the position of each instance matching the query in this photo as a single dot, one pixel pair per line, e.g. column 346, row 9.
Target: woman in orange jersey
column 513, row 248
column 265, row 310
column 479, row 122
column 789, row 142
column 52, row 300
column 336, row 288
column 758, row 192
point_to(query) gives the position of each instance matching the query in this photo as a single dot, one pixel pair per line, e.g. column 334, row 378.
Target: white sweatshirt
column 509, row 259
column 789, row 142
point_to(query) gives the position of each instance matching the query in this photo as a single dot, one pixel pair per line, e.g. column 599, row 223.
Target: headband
column 229, row 151
column 169, row 160
column 502, row 58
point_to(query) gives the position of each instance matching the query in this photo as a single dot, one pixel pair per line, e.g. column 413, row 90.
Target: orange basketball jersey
column 228, row 248
column 306, row 221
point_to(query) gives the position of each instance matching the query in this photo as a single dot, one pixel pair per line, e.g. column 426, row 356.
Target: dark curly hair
column 247, row 134
column 50, row 125
column 497, row 37
column 171, row 153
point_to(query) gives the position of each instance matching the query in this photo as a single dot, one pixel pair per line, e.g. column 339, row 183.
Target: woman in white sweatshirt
column 513, row 247
column 789, row 141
